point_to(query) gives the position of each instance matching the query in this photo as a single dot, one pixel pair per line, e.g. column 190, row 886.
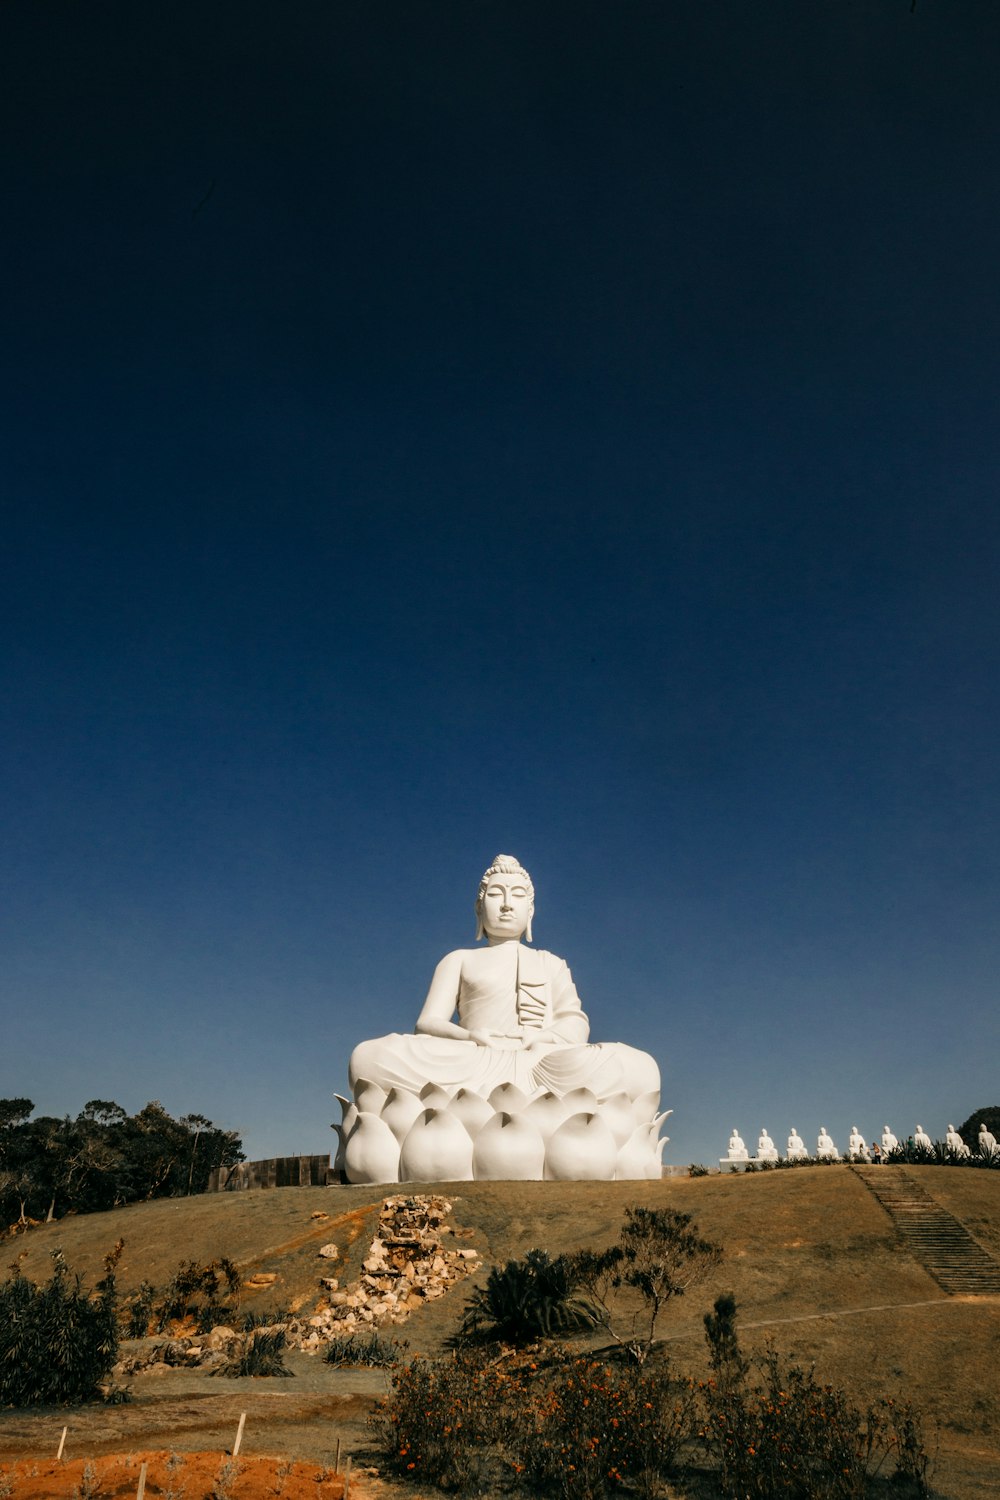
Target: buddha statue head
column 505, row 903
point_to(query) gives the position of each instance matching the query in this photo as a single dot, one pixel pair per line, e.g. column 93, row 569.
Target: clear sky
column 568, row 429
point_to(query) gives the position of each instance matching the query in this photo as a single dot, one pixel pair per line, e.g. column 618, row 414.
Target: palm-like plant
column 527, row 1299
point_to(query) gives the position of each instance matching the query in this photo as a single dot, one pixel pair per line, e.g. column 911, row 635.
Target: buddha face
column 506, row 907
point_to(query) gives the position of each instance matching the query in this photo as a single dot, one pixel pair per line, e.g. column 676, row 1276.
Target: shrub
column 261, row 1355
column 448, row 1422
column 190, row 1283
column 528, row 1299
column 265, row 1317
column 56, row 1343
column 785, row 1435
column 138, row 1312
column 355, row 1349
column 601, row 1428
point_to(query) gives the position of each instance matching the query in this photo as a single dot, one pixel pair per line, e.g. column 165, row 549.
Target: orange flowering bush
column 598, row 1428
column 782, row 1436
column 448, row 1422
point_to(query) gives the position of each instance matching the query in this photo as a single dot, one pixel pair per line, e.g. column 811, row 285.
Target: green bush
column 526, row 1300
column 208, row 1293
column 56, row 1343
column 355, row 1349
column 261, row 1355
column 138, row 1312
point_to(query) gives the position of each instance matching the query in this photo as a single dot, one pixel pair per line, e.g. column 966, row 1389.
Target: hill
column 814, row 1261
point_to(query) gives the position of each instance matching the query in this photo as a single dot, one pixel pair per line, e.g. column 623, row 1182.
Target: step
column 934, row 1236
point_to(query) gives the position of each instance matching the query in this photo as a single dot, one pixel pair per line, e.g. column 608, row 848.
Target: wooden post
column 62, row 1444
column 336, row 1462
column 239, row 1433
column 141, row 1491
column 347, row 1478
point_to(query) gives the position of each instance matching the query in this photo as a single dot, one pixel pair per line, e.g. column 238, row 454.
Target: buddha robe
column 538, row 996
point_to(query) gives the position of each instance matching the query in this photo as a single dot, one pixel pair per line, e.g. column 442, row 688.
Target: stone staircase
column 933, row 1236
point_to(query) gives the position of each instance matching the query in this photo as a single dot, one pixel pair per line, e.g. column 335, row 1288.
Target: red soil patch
column 193, row 1476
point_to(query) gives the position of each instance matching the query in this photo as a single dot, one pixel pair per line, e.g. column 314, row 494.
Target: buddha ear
column 479, row 921
column 527, row 930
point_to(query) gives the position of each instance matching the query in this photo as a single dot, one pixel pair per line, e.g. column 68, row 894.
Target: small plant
column 355, row 1349
column 87, row 1488
column 695, row 1170
column 261, row 1355
column 174, row 1465
column 192, row 1282
column 229, row 1472
column 265, row 1318
column 139, row 1311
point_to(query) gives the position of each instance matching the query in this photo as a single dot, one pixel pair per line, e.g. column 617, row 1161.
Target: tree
column 659, row 1255
column 102, row 1158
column 970, row 1130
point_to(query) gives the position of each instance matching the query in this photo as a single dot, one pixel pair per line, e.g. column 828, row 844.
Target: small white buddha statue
column 987, row 1140
column 766, row 1149
column 796, row 1148
column 889, row 1141
column 856, row 1147
column 504, row 1022
column 737, row 1148
column 825, row 1147
column 921, row 1138
column 955, row 1143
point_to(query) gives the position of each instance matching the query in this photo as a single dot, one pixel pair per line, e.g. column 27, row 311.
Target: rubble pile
column 407, row 1265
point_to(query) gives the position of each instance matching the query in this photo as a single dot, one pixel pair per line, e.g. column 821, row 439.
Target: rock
column 329, row 1282
column 329, row 1252
column 261, row 1278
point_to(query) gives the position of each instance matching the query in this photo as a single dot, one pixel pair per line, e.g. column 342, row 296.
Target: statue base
column 460, row 1135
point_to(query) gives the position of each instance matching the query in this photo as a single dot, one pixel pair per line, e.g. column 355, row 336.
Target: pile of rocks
column 202, row 1351
column 407, row 1265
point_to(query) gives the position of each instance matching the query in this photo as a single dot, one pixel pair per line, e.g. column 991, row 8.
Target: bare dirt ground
column 813, row 1261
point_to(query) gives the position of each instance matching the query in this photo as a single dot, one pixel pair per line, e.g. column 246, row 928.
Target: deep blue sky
column 570, row 429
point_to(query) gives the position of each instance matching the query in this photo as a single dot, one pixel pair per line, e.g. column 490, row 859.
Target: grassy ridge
column 810, row 1256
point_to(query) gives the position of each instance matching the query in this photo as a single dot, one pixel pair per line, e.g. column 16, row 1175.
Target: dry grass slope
column 813, row 1260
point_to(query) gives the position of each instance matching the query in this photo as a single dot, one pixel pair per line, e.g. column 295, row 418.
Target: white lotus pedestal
column 440, row 1136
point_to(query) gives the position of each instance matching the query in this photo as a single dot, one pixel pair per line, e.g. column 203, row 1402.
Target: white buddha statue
column 921, row 1138
column 889, row 1141
column 955, row 1143
column 737, row 1148
column 766, row 1149
column 987, row 1140
column 856, row 1147
column 825, row 1146
column 796, row 1148
column 520, row 1033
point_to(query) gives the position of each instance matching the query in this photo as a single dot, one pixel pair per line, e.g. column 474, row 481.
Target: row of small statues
column 857, row 1149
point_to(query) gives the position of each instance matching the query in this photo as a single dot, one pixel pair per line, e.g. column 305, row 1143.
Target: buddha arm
column 442, row 1002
